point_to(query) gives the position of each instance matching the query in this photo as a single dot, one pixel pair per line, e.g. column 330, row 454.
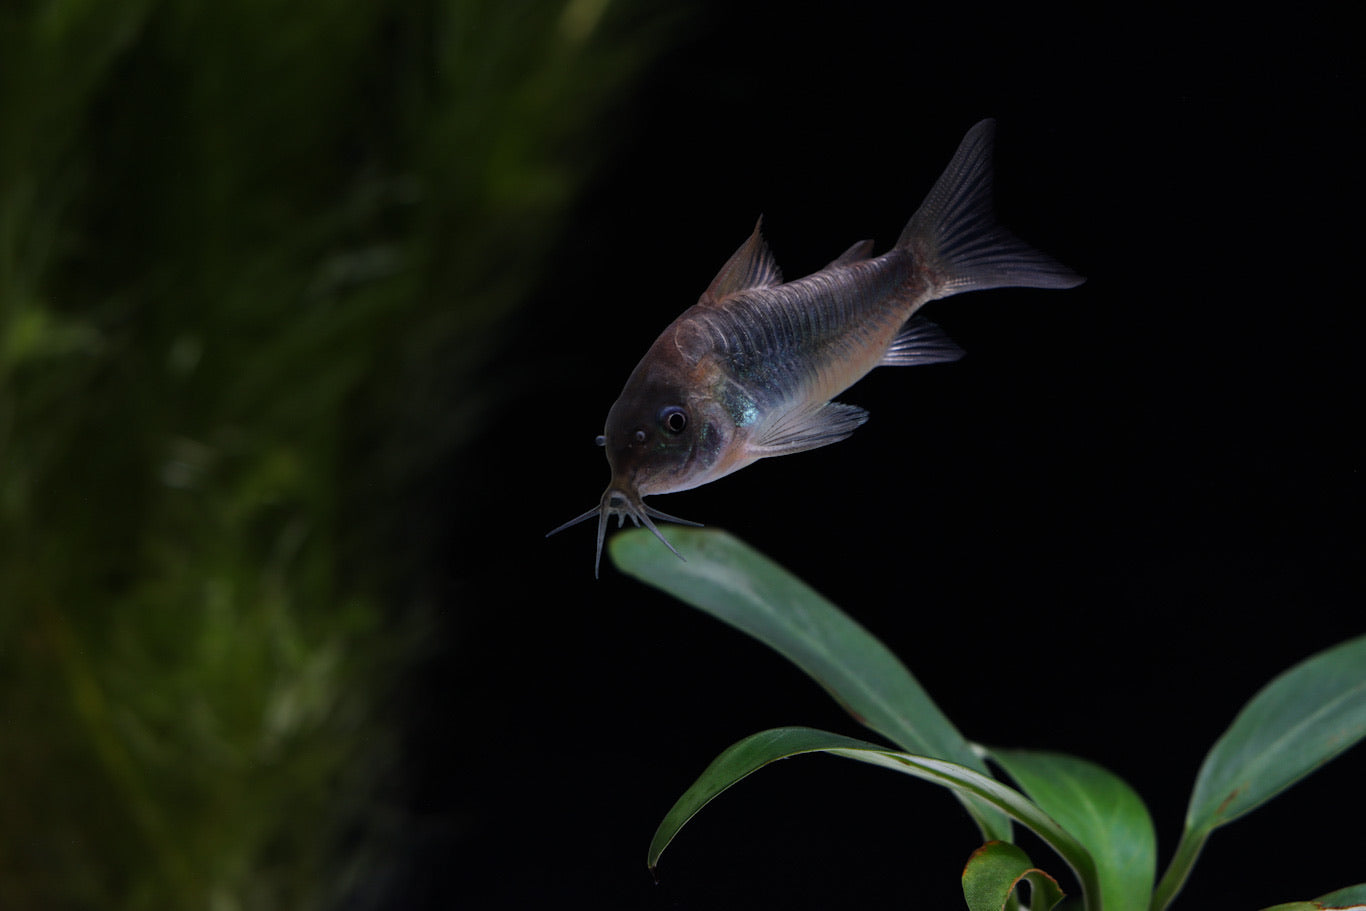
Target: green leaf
column 758, row 750
column 736, row 584
column 995, row 870
column 1348, row 899
column 1344, row 897
column 1299, row 721
column 1351, row 898
column 1104, row 814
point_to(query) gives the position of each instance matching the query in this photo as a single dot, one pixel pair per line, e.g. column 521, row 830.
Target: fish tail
column 954, row 233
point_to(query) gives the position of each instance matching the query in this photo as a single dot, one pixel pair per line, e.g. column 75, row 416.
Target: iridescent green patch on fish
column 741, row 407
column 748, row 415
column 750, row 371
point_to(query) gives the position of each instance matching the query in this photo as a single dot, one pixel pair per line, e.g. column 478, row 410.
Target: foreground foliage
column 1094, row 821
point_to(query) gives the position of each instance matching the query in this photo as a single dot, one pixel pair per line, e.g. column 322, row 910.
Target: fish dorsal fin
column 920, row 342
column 855, row 254
column 812, row 428
column 751, row 266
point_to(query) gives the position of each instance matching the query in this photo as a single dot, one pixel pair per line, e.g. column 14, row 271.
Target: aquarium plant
column 1095, row 823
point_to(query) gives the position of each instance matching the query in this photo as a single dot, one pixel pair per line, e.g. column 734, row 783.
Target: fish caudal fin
column 955, row 234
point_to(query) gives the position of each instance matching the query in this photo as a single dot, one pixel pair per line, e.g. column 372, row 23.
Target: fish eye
column 601, row 440
column 674, row 419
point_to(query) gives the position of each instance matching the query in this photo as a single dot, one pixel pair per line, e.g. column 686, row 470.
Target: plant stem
column 1192, row 840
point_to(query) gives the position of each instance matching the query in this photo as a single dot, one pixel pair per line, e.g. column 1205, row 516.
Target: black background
column 1129, row 506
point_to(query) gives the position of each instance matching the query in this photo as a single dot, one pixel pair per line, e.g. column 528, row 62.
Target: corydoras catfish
column 751, row 369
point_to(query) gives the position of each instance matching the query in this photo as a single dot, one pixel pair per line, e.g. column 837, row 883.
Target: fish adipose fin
column 920, row 342
column 954, row 232
column 802, row 430
column 751, row 266
column 855, row 254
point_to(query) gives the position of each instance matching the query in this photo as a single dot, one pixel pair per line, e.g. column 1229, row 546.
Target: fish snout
column 615, row 500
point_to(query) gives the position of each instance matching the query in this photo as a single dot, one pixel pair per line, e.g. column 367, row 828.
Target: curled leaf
column 996, row 870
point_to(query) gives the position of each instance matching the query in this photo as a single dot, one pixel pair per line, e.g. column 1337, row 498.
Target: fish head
column 662, row 438
column 659, row 438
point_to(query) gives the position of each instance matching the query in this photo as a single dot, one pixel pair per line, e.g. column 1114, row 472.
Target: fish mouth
column 624, row 504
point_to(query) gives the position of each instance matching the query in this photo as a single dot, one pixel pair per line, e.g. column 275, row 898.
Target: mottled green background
column 251, row 255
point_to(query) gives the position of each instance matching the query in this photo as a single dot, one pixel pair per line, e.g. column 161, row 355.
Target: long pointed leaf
column 736, row 584
column 758, row 750
column 1296, row 723
column 1104, row 814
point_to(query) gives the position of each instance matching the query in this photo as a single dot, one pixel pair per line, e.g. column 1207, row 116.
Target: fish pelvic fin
column 955, row 235
column 624, row 505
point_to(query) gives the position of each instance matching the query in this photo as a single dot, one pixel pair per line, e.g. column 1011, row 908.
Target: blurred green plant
column 1091, row 818
column 230, row 235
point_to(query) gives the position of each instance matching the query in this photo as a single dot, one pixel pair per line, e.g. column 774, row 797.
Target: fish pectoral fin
column 751, row 266
column 920, row 342
column 801, row 430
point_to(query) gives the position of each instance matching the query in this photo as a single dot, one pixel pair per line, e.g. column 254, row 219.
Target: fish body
column 751, row 370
